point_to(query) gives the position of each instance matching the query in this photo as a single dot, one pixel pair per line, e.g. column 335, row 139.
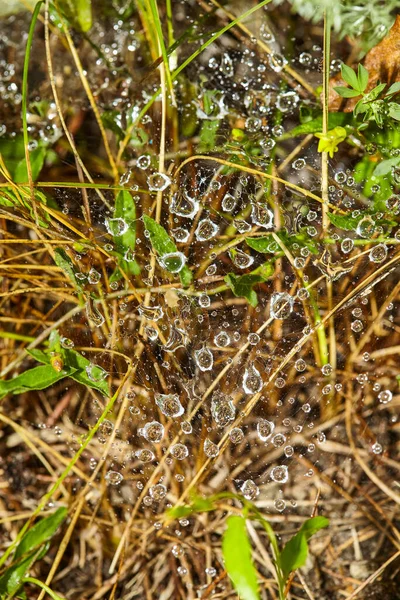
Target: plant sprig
column 373, row 105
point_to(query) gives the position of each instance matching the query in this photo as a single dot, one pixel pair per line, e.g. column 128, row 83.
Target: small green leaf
column 363, row 77
column 315, row 125
column 42, row 531
column 208, row 134
column 394, row 89
column 350, row 77
column 38, row 378
column 124, row 244
column 198, row 505
column 394, row 110
column 242, row 286
column 75, row 366
column 163, row 245
column 37, row 157
column 385, row 166
column 346, row 92
column 11, row 580
column 346, row 222
column 79, row 12
column 239, row 565
column 261, row 244
column 63, row 261
column 374, row 93
column 295, row 552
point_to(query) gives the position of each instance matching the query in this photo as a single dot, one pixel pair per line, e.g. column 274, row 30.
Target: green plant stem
column 25, row 93
column 44, row 587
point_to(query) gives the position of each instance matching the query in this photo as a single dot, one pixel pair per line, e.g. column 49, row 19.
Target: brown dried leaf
column 382, row 64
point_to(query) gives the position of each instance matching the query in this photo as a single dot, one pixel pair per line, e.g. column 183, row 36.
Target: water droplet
column 93, row 314
column 377, row 448
column 93, row 276
column 357, row 326
column 280, row 474
column 173, row 261
column 265, row 429
column 179, row 451
column 145, row 455
column 178, row 338
column 210, row 449
column 113, row 477
column 158, row 491
column 153, row 432
column 184, row 206
column 143, row 161
column 281, row 305
column 206, row 230
column 298, row 164
column 276, row 61
column 240, row 259
column 95, row 373
column 177, row 550
column 366, row 227
column 228, row 203
column 347, row 245
column 222, row 409
column 158, row 182
column 249, row 490
column 66, row 343
column 278, row 440
column 385, row 396
column 262, row 215
column 152, row 313
column 222, row 339
column 116, row 227
column 227, row 65
column 204, row 359
column 236, row 435
column 252, row 380
column 170, row 405
column 378, row 253
column 300, row 365
column 180, row 234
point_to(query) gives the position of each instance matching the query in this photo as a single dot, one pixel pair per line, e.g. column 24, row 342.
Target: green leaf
column 346, row 222
column 346, row 92
column 63, row 261
column 242, row 286
column 363, row 77
column 198, row 505
column 374, row 93
column 261, row 244
column 385, row 166
column 38, row 378
column 8, row 198
column 315, row 125
column 394, row 88
column 394, row 110
column 75, row 366
column 295, row 552
column 13, row 153
column 125, row 209
column 208, row 134
column 163, row 245
column 350, row 77
column 11, row 580
column 239, row 565
column 79, row 12
column 42, row 531
column 37, row 157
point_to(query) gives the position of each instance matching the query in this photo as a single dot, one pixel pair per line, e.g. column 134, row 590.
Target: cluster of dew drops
column 260, row 97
